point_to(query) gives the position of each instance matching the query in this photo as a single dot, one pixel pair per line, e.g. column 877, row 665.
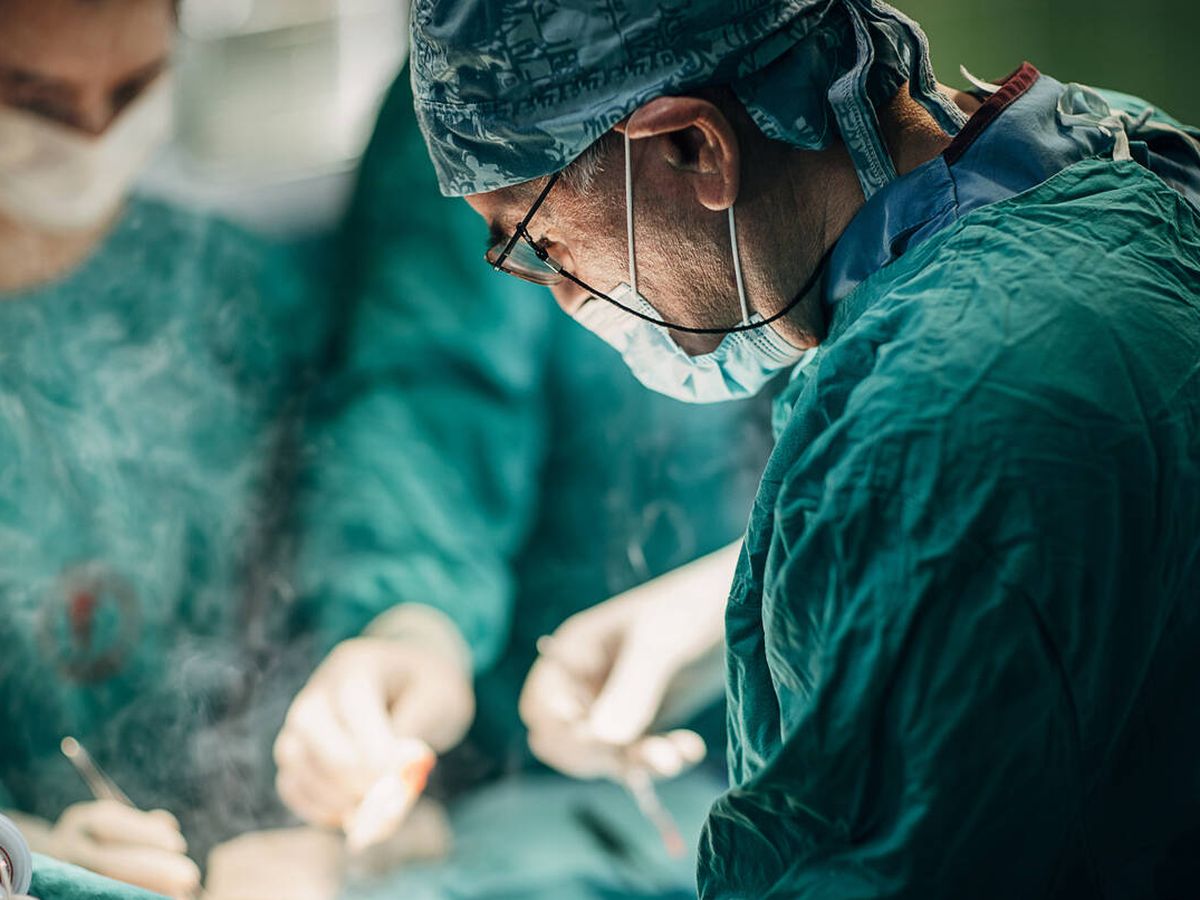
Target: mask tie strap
column 629, row 215
column 737, row 267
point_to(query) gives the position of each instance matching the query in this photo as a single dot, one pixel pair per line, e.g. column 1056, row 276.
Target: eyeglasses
column 521, row 256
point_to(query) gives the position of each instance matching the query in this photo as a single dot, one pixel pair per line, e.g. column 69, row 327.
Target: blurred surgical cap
column 510, row 90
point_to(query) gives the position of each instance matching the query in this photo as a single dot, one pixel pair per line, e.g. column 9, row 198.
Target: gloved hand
column 409, row 676
column 313, row 862
column 612, row 675
column 301, row 863
column 141, row 848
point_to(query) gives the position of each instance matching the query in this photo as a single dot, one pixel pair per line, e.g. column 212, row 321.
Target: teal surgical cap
column 510, row 90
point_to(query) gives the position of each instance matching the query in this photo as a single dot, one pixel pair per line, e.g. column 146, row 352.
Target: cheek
column 593, row 256
column 685, row 266
column 569, row 297
column 589, row 238
column 682, row 278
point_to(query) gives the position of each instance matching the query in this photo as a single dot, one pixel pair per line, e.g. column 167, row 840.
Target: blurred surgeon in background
column 150, row 357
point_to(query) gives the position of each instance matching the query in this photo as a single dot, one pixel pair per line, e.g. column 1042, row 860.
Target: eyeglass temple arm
column 524, row 223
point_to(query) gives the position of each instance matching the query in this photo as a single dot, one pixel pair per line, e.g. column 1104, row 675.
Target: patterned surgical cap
column 509, row 90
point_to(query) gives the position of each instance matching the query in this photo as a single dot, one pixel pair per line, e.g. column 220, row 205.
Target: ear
column 697, row 139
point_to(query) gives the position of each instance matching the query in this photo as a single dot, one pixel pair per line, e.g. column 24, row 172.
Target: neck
column 803, row 209
column 30, row 258
column 911, row 134
column 824, row 196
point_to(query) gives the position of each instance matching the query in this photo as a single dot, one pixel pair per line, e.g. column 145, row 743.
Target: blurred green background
column 1150, row 48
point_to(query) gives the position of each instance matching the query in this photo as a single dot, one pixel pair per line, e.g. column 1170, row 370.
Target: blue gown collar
column 1012, row 143
column 915, row 205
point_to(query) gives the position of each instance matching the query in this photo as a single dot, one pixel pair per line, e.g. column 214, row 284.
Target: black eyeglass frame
column 557, row 273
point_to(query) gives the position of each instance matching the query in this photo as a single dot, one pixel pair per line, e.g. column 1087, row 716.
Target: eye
column 127, row 93
column 48, row 108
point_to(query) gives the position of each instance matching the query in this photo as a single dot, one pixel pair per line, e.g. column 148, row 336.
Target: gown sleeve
column 427, row 436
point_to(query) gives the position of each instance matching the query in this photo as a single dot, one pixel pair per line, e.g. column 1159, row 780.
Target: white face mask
column 741, row 364
column 58, row 179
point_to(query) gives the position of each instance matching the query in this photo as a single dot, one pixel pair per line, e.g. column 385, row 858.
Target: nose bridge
column 96, row 111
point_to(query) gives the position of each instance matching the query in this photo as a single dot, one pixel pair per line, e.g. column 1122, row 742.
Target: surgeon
column 966, row 611
column 150, row 359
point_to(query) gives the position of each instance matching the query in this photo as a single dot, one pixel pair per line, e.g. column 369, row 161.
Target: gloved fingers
column 564, row 749
column 317, row 728
column 424, row 836
column 573, row 664
column 667, row 755
column 165, row 817
column 585, row 644
column 362, row 708
column 553, row 694
column 634, row 691
column 304, row 772
column 167, row 873
column 313, row 799
column 435, row 706
column 414, row 715
column 107, row 821
column 287, row 749
column 310, row 790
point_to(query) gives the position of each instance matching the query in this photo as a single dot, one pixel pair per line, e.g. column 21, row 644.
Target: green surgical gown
column 55, row 880
column 144, row 410
column 963, row 636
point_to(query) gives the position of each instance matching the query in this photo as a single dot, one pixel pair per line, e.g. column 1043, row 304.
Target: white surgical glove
column 610, row 677
column 409, row 676
column 126, row 844
column 301, row 863
column 312, row 863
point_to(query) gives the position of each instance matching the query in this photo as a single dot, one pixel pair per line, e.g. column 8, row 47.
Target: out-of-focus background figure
column 147, row 382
